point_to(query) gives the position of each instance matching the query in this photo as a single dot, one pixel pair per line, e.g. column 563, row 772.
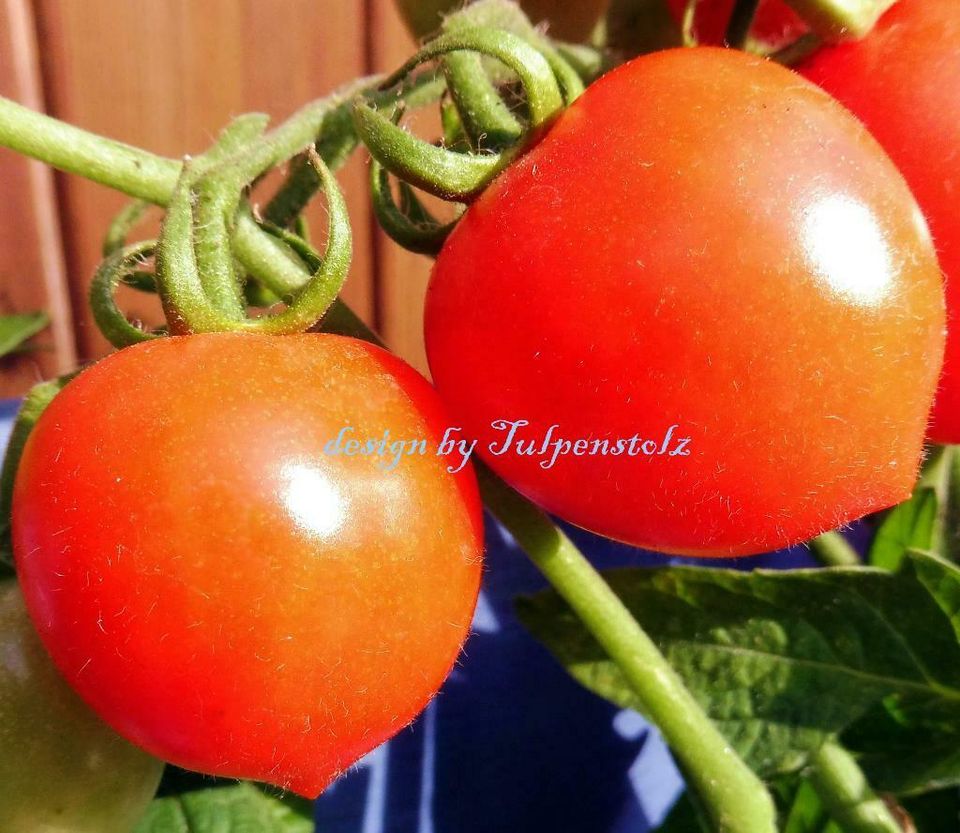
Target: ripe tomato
column 571, row 20
column 223, row 589
column 62, row 770
column 903, row 81
column 774, row 26
column 703, row 241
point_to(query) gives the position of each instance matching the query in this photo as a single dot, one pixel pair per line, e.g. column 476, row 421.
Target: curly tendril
column 119, row 267
column 182, row 287
column 547, row 80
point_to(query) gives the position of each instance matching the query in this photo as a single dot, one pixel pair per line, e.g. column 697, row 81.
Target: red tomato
column 222, row 589
column 903, row 81
column 703, row 241
column 775, row 25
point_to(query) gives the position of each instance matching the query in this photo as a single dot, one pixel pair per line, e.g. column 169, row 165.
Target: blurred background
column 167, row 76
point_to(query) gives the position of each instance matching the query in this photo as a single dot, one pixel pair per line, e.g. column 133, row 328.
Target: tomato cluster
column 706, row 259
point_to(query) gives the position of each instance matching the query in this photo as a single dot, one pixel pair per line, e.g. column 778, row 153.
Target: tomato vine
column 210, row 227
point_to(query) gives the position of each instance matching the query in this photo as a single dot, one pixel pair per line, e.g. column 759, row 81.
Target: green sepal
column 32, row 407
column 444, row 173
column 840, row 20
column 408, row 224
column 122, row 224
column 122, row 266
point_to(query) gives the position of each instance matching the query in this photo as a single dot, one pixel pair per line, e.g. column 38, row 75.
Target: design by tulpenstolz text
column 549, row 447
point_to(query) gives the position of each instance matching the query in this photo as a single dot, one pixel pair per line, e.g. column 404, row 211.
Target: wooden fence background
column 167, row 75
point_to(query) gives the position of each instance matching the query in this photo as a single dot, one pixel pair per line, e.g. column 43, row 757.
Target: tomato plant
column 568, row 19
column 774, row 26
column 705, row 303
column 750, row 273
column 62, row 768
column 902, row 82
column 221, row 586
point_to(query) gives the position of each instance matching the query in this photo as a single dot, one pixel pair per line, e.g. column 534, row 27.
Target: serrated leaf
column 242, row 808
column 780, row 660
column 942, row 581
column 910, row 741
column 16, row 329
column 34, row 404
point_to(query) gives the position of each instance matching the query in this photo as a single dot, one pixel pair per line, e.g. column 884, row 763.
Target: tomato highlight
column 903, row 82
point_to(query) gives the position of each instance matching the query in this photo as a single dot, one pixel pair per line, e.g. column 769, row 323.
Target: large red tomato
column 705, row 248
column 223, row 588
column 903, row 81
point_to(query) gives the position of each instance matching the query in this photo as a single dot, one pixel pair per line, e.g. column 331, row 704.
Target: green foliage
column 241, row 808
column 16, row 329
column 929, row 520
column 782, row 661
column 34, row 404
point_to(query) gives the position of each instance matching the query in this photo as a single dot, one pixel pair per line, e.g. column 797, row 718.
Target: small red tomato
column 217, row 583
column 903, row 82
column 774, row 26
column 703, row 247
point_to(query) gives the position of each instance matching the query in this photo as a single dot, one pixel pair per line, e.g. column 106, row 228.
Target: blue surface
column 512, row 743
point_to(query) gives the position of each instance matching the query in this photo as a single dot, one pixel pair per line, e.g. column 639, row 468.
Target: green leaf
column 908, row 526
column 781, row 660
column 942, row 581
column 929, row 520
column 241, row 808
column 801, row 809
column 34, row 404
column 16, row 329
column 910, row 742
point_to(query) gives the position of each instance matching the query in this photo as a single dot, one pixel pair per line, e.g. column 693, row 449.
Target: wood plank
column 32, row 274
column 167, row 76
column 402, row 277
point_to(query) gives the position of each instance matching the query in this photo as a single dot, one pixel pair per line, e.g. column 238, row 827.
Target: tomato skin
column 63, row 770
column 774, row 26
column 571, row 20
column 903, row 82
column 675, row 252
column 221, row 590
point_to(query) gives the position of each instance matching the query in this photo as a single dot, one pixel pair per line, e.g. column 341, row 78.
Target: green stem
column 832, row 550
column 845, row 793
column 135, row 172
column 139, row 173
column 734, row 798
